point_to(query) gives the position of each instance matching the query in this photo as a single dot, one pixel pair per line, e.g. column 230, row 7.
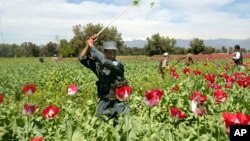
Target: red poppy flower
column 175, row 112
column 29, row 89
column 186, row 70
column 219, row 96
column 29, row 109
column 174, row 73
column 172, row 70
column 228, row 78
column 50, row 112
column 214, row 86
column 210, row 77
column 72, row 89
column 244, row 82
column 227, row 68
column 37, row 139
column 123, row 93
column 228, row 85
column 197, row 96
column 153, row 97
column 239, row 75
column 235, row 118
column 175, row 89
column 1, row 98
column 197, row 72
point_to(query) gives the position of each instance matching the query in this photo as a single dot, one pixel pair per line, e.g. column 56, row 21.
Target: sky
column 41, row 21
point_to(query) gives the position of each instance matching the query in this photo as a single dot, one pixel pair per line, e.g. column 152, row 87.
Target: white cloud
column 41, row 21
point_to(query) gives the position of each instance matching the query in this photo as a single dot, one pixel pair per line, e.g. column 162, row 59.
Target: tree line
column 156, row 44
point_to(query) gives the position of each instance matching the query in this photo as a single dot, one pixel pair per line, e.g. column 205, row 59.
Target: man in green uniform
column 110, row 73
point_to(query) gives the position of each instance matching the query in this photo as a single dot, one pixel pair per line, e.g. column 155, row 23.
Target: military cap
column 109, row 45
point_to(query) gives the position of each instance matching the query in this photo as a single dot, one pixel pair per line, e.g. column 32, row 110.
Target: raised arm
column 115, row 66
column 84, row 52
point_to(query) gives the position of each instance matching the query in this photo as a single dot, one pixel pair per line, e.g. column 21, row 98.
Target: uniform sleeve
column 89, row 63
column 114, row 66
column 237, row 56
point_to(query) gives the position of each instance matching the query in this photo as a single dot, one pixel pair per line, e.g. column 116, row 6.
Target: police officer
column 110, row 73
column 238, row 57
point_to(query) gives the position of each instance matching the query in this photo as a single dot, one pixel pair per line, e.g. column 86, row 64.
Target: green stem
column 149, row 116
column 198, row 125
column 127, row 124
column 27, row 127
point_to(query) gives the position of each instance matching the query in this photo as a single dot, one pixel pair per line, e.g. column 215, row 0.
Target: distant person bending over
column 163, row 64
column 188, row 59
column 238, row 57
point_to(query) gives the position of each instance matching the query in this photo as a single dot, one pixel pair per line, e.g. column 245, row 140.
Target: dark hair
column 237, row 47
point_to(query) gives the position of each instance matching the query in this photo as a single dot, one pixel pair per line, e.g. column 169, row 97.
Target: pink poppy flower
column 153, row 97
column 29, row 109
column 72, row 89
column 50, row 112
column 29, row 89
column 123, row 93
column 197, row 103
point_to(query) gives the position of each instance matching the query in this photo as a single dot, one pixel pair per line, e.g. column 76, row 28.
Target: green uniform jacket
column 107, row 72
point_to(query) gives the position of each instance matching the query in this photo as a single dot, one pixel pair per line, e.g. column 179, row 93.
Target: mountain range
column 216, row 43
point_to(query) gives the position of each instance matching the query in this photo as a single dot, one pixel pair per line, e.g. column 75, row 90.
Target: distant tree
column 209, row 50
column 82, row 33
column 230, row 50
column 65, row 48
column 50, row 49
column 20, row 52
column 217, row 50
column 180, row 50
column 32, row 50
column 157, row 44
column 7, row 50
column 243, row 50
column 223, row 49
column 197, row 46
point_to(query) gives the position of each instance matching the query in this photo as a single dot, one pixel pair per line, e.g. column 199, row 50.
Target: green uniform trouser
column 111, row 108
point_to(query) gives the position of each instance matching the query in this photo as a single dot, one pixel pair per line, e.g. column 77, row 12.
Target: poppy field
column 56, row 101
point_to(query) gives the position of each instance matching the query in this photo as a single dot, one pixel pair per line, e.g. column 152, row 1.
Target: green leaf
column 77, row 135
